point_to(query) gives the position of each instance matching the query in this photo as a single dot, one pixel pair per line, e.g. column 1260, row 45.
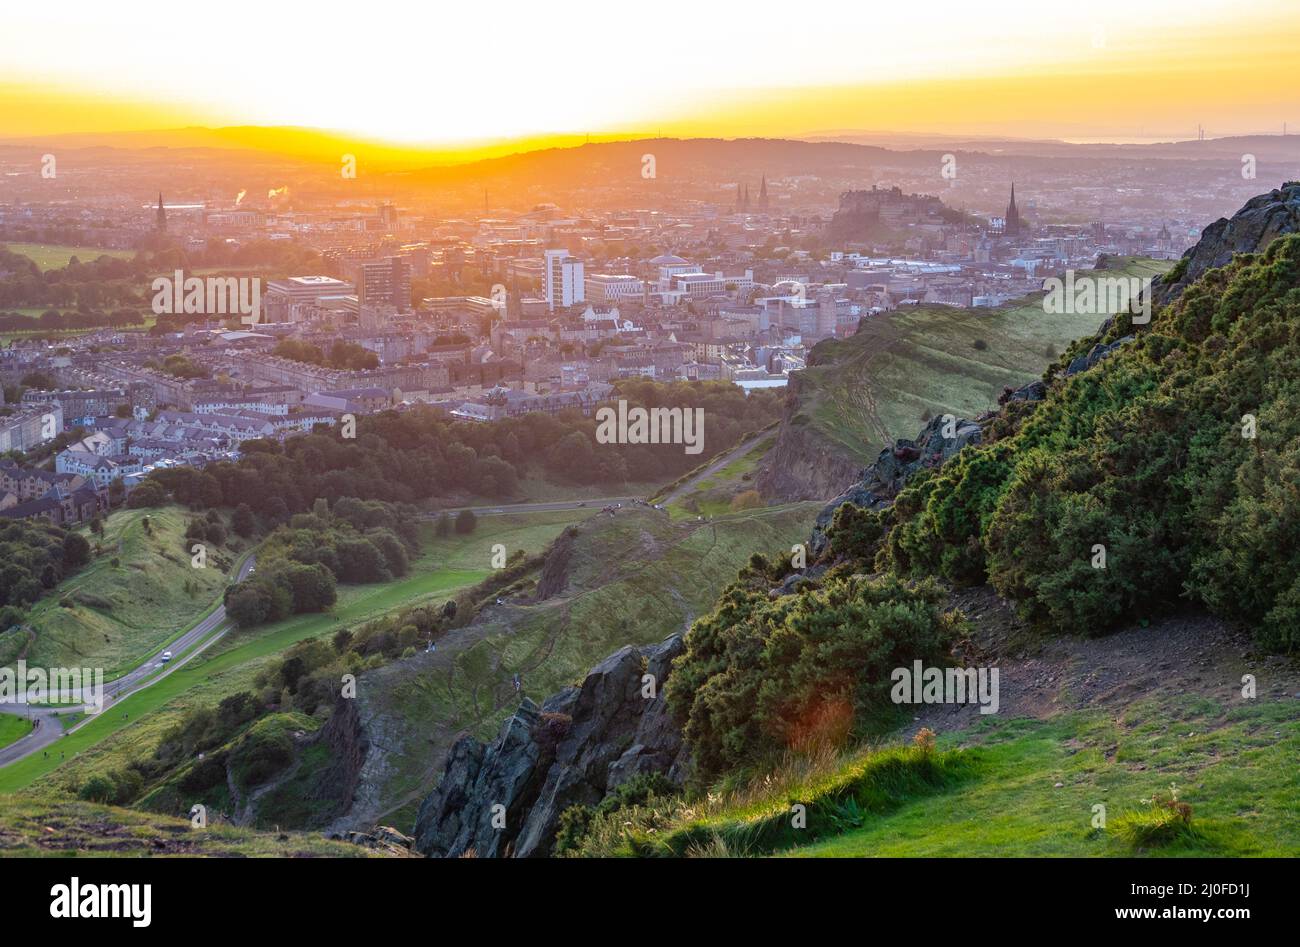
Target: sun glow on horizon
column 474, row 78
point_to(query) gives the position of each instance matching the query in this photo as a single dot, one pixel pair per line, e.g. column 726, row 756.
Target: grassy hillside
column 1107, row 722
column 114, row 615
column 1231, row 764
column 13, row 728
column 47, row 825
column 904, row 366
column 630, row 578
column 712, row 495
column 133, row 726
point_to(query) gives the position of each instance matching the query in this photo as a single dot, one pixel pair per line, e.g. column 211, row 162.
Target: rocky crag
column 1249, row 230
column 802, row 464
column 505, row 798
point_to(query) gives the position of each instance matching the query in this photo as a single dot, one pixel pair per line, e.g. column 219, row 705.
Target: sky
column 463, row 74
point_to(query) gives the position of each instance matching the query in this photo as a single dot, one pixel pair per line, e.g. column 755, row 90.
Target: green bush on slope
column 761, row 676
column 1143, row 454
column 1141, row 458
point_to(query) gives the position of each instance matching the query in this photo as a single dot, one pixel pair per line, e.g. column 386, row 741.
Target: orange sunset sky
column 467, row 75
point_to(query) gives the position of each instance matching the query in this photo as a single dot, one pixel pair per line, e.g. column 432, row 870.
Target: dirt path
column 726, row 458
column 1041, row 676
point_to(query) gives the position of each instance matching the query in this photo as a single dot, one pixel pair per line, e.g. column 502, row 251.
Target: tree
column 39, row 380
column 443, row 526
column 312, row 587
column 246, row 606
column 97, row 789
column 466, row 521
column 76, row 552
column 242, row 521
column 148, row 493
column 361, row 561
column 277, row 511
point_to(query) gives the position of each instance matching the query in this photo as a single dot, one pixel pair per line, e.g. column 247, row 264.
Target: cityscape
column 598, row 435
column 503, row 313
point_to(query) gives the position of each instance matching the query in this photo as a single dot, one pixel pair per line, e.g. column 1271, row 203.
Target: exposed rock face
column 1249, row 230
column 940, row 439
column 581, row 744
column 1095, row 355
column 1034, row 391
column 555, row 571
column 459, row 815
column 348, row 745
column 801, row 465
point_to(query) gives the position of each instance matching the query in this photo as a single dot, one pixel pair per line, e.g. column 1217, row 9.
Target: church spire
column 162, row 213
column 1012, row 225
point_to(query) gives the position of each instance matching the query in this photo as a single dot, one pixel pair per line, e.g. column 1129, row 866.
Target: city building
column 563, row 278
column 608, row 288
column 385, row 282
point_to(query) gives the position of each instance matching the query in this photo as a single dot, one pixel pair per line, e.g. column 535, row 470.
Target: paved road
column 48, row 729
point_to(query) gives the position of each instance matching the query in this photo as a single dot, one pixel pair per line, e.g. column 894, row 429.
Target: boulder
column 1034, row 391
column 616, row 733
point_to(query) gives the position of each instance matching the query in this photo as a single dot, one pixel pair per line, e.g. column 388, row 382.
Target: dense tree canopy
column 420, row 455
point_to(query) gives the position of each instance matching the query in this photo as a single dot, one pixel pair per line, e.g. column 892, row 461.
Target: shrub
column 643, row 789
column 1144, row 454
column 260, row 755
column 97, row 788
column 76, row 552
column 204, row 774
column 761, row 676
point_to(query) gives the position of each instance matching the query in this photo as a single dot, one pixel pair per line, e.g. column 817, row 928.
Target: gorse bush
column 644, row 789
column 761, row 675
column 1179, row 454
column 1165, row 473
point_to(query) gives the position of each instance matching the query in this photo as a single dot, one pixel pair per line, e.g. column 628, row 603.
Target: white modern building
column 563, row 277
column 609, row 288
